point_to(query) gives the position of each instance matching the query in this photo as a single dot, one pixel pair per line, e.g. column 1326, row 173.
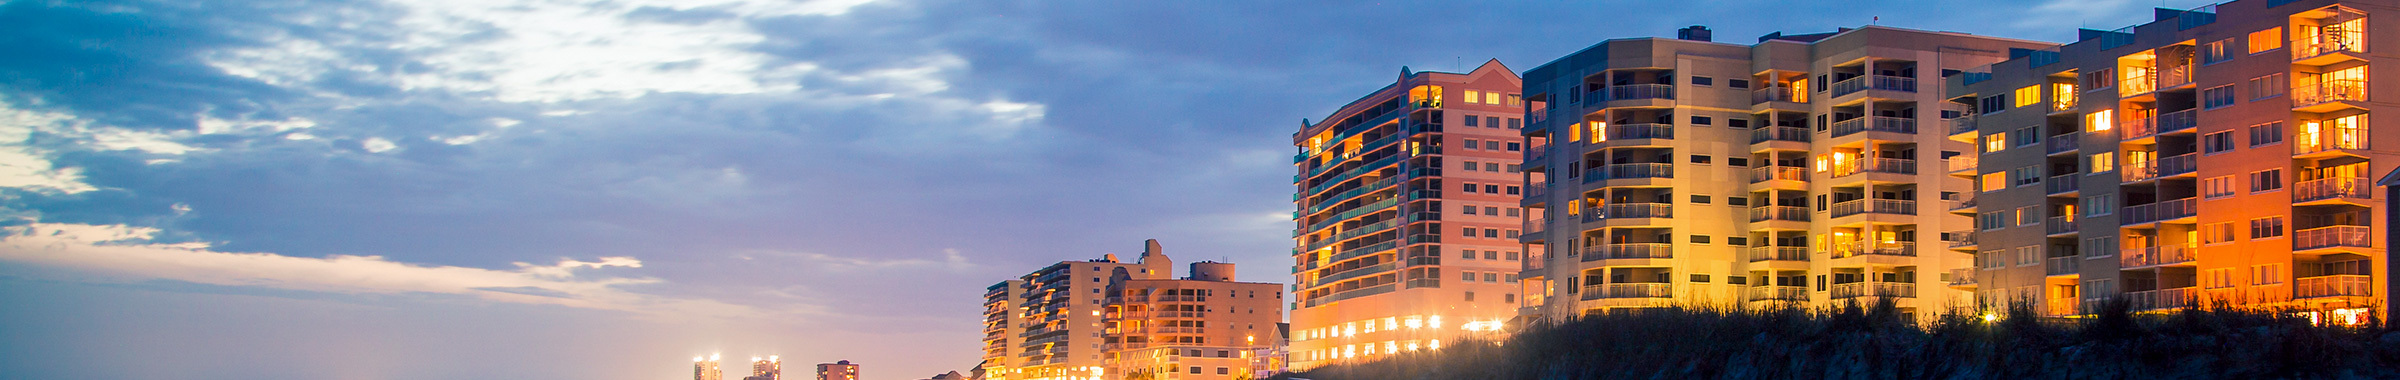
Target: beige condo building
column 1104, row 318
column 1407, row 217
column 2218, row 154
column 1792, row 171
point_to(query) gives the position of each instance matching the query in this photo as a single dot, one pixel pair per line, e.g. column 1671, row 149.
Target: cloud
column 129, row 253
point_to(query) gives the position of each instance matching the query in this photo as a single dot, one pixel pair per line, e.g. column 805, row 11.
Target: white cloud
column 22, row 166
column 378, row 145
column 127, row 253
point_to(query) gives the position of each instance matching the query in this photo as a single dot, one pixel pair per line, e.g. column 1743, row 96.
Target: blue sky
column 449, row 189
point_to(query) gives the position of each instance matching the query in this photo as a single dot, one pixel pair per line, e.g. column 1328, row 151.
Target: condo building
column 2217, row 155
column 1205, row 326
column 841, row 370
column 1789, row 172
column 767, row 368
column 705, row 368
column 1407, row 217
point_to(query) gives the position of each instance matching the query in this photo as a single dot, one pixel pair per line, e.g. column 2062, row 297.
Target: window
column 1196, row 369
column 2025, row 136
column 1471, row 187
column 1991, row 220
column 1470, row 296
column 2026, row 176
column 1467, row 254
column 1703, row 81
column 2217, row 97
column 1702, row 159
column 1491, row 232
column 1491, row 144
column 2030, row 95
column 1515, row 123
column 1737, row 162
column 2264, row 134
column 1737, row 201
column 1699, row 278
column 1491, row 277
column 2216, row 187
column 2266, row 180
column 1513, row 255
column 1702, row 120
column 1995, row 181
column 1737, row 83
column 1512, row 190
column 1471, row 120
column 1699, row 239
column 1995, row 142
column 1221, row 370
column 2102, row 78
column 1491, row 189
column 2267, row 86
column 2029, row 255
column 1467, row 231
column 2097, row 122
column 2218, row 278
column 2214, row 233
column 2265, row 40
column 2101, row 163
column 1700, row 199
column 1469, row 210
column 1471, row 97
column 1512, row 211
column 1737, row 123
column 1512, row 147
column 2267, row 227
column 2268, row 274
column 1491, row 166
column 1991, row 104
column 2099, row 205
column 2105, row 246
column 2214, row 52
column 1737, row 241
column 2219, row 142
column 2029, row 215
column 1492, row 98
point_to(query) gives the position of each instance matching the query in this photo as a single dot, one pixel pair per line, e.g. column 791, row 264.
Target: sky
column 480, row 189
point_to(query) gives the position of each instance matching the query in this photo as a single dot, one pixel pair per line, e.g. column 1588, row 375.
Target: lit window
column 2099, row 121
column 2029, row 95
column 2265, row 40
column 1473, row 95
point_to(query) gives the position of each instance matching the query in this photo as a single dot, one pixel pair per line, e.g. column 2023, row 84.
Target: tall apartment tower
column 1047, row 324
column 1407, row 217
column 1786, row 172
column 767, row 368
column 2219, row 154
column 705, row 368
column 1205, row 326
column 841, row 370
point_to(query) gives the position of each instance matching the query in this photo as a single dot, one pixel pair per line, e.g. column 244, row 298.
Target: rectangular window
column 2099, row 205
column 2029, row 255
column 1471, row 187
column 1512, row 147
column 2217, row 97
column 2097, row 122
column 2265, row 40
column 2029, row 215
column 2026, row 176
column 1471, row 121
column 2214, row 233
column 2102, row 78
column 1737, row 241
column 2101, row 163
column 2214, row 52
column 1738, row 162
column 1702, row 120
column 1491, row 121
column 2266, row 180
column 1700, row 199
column 1703, row 81
column 1991, row 220
column 1467, row 231
column 1491, row 232
column 1699, row 239
column 1994, row 181
column 1995, row 103
column 1513, row 190
column 1515, row 123
column 1469, row 210
column 2105, row 246
column 1472, row 96
column 1995, row 142
column 2264, row 134
column 1737, row 83
column 2219, row 142
column 1492, row 98
column 2025, row 136
column 1737, row 201
column 2216, row 187
column 1702, row 159
column 2269, row 274
column 2218, row 278
column 2030, row 95
column 1738, row 123
column 2267, row 227
column 1491, row 189
column 2267, row 86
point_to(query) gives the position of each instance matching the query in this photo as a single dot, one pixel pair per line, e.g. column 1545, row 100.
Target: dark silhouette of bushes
column 1878, row 342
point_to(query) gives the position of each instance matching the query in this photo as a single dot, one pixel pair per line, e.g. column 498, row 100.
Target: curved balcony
column 1638, row 95
column 1859, row 249
column 1793, row 138
column 1873, row 82
column 1885, row 124
column 1898, row 166
column 1629, row 135
column 1629, row 251
column 1874, row 289
column 1631, row 174
column 1777, row 293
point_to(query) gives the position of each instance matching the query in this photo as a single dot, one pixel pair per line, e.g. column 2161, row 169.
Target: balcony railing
column 2065, row 143
column 1638, row 210
column 1962, row 276
column 2178, row 164
column 1874, row 124
column 2060, row 224
column 1641, row 131
column 1958, row 163
column 1877, row 206
column 1537, row 191
column 1874, row 289
column 1536, row 225
column 2178, row 121
column 1638, row 251
column 2327, row 44
column 2171, row 298
column 1778, row 293
column 1633, row 171
column 2061, row 307
column 1875, row 165
column 2137, row 127
column 1640, row 290
column 2163, row 210
column 1784, row 213
column 1778, row 173
column 1641, row 91
column 1964, row 202
column 1765, row 134
column 1875, row 82
column 2153, row 256
column 2138, row 170
column 2064, row 265
column 2331, row 237
column 2062, row 184
column 1959, row 238
column 2339, row 285
column 2338, row 90
column 2333, row 188
column 2171, row 76
column 1962, row 124
column 2331, row 138
column 2136, row 80
column 1855, row 249
column 1776, row 94
column 1772, row 253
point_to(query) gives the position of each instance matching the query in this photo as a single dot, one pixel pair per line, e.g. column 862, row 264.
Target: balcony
column 2329, row 95
column 2062, row 184
column 2063, row 265
column 1778, row 173
column 1959, row 239
column 1962, row 277
column 1629, row 251
column 1771, row 253
column 2327, row 48
column 2135, row 128
column 1874, row 82
column 1964, row 205
column 2180, row 164
column 1629, row 171
column 1641, row 91
column 1874, row 206
column 2172, row 76
column 2162, row 211
column 2144, row 257
column 2178, row 121
column 1874, row 289
column 1637, row 210
column 2063, row 101
column 1778, row 94
column 2060, row 225
column 1874, row 124
column 2330, row 237
column 1536, row 225
column 2339, row 285
column 1783, row 213
column 1856, row 249
column 2163, row 299
column 2066, row 143
column 2350, row 190
column 2328, row 140
column 1962, row 124
column 1961, row 164
column 2136, row 80
column 1767, row 134
column 1629, row 290
column 1640, row 131
column 2061, row 307
column 1777, row 293
column 1875, row 165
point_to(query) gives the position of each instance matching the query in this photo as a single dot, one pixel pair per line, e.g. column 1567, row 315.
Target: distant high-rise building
column 1407, row 217
column 1205, row 326
column 841, row 370
column 705, row 368
column 1046, row 324
column 767, row 368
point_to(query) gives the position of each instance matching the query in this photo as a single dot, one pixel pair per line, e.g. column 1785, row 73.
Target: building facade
column 705, row 368
column 1788, row 172
column 841, row 370
column 1047, row 324
column 2214, row 155
column 1205, row 326
column 767, row 368
column 1407, row 217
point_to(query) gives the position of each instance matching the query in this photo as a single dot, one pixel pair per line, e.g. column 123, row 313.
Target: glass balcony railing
column 1962, row 124
column 1960, row 163
column 1770, row 253
column 2062, row 184
column 2137, row 127
column 2135, row 80
column 1638, row 210
column 1962, row 276
column 2060, row 224
column 1875, row 165
column 2172, row 76
column 1640, row 131
column 1777, row 94
column 1777, row 293
column 2304, row 47
column 1637, row 171
column 2063, row 265
column 1778, row 173
column 1874, row 206
column 2162, row 299
column 2153, row 256
column 2339, row 285
column 1959, row 238
column 2162, row 210
column 2178, row 121
column 1874, row 82
column 2338, row 90
column 2354, row 188
column 1783, row 213
column 1640, row 290
column 1874, row 289
column 1856, row 249
column 1641, row 91
column 1874, row 124
column 2329, row 138
column 2064, row 143
column 1765, row 134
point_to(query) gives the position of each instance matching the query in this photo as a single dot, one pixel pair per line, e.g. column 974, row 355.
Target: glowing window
column 2029, row 95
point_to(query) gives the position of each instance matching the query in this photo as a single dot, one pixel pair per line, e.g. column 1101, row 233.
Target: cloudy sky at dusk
column 455, row 189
